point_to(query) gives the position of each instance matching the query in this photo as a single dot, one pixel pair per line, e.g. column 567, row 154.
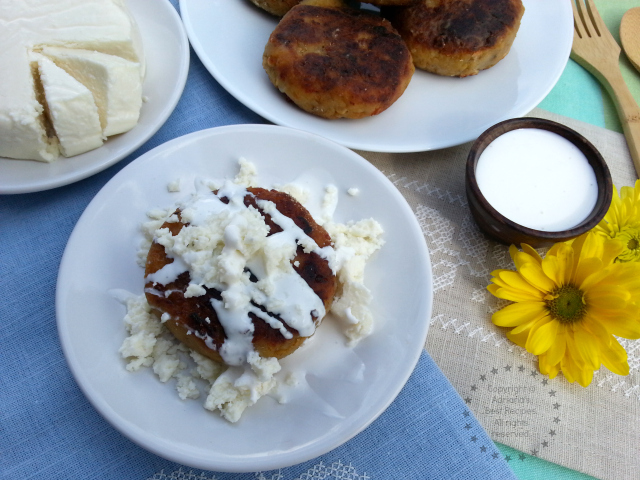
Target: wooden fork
column 596, row 50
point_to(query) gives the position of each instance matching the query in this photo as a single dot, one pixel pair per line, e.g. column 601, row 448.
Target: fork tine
column 596, row 19
column 578, row 19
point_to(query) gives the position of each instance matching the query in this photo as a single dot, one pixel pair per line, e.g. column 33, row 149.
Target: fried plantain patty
column 457, row 37
column 196, row 314
column 276, row 7
column 335, row 61
column 381, row 3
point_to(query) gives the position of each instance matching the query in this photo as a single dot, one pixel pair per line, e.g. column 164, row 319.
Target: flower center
column 631, row 238
column 566, row 304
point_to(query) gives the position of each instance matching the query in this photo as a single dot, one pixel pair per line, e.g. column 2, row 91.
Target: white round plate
column 166, row 50
column 343, row 389
column 434, row 112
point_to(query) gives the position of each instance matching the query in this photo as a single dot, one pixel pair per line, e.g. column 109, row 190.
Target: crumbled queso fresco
column 230, row 390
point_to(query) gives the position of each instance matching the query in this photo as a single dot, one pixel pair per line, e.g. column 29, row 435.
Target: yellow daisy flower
column 622, row 221
column 569, row 305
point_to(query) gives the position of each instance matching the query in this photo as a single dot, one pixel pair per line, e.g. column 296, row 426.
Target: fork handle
column 628, row 112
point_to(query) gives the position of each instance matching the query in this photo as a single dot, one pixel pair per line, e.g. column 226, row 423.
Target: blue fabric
column 49, row 430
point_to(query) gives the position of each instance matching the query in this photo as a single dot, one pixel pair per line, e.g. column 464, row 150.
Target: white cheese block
column 101, row 25
column 114, row 82
column 71, row 109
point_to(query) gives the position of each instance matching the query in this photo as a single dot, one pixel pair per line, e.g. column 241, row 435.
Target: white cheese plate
column 166, row 50
column 342, row 389
column 434, row 112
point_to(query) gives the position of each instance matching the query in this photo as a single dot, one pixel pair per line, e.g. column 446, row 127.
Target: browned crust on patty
column 276, row 7
column 191, row 314
column 457, row 37
column 382, row 3
column 337, row 62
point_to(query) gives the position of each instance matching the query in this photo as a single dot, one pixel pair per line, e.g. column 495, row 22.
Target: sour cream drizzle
column 236, row 242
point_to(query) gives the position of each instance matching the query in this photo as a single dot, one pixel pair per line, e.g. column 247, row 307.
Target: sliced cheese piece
column 23, row 133
column 71, row 108
column 114, row 82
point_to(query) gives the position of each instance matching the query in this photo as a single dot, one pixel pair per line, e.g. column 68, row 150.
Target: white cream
column 537, row 179
column 223, row 240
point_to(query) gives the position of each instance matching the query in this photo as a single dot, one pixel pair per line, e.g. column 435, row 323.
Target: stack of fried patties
column 337, row 60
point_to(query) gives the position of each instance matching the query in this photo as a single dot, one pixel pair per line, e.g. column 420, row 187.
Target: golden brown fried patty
column 337, row 62
column 381, row 3
column 457, row 37
column 190, row 314
column 276, row 7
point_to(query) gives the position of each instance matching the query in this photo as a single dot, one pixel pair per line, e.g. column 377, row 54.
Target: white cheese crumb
column 247, row 176
column 164, row 317
column 194, row 290
column 143, row 328
column 354, row 242
column 186, row 387
column 329, row 204
column 298, row 192
column 174, row 186
column 353, row 191
column 235, row 390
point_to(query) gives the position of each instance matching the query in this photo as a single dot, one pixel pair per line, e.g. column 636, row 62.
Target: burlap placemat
column 595, row 430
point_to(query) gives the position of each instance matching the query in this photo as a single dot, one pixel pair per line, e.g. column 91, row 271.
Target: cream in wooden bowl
column 535, row 181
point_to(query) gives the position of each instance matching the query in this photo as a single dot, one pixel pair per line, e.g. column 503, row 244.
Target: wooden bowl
column 500, row 228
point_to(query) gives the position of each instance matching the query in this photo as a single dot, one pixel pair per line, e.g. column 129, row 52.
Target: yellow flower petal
column 612, row 248
column 533, row 273
column 592, row 246
column 542, row 338
column 546, row 367
column 532, row 252
column 514, row 280
column 527, row 326
column 514, row 295
column 622, row 326
column 519, row 258
column 615, row 358
column 586, row 268
column 518, row 313
column 557, row 350
column 551, row 268
column 588, row 348
column 597, row 328
column 569, row 368
column 519, row 339
column 585, row 377
column 565, row 258
column 608, row 297
column 573, row 352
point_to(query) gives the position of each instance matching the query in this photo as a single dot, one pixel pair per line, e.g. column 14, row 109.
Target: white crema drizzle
column 221, row 244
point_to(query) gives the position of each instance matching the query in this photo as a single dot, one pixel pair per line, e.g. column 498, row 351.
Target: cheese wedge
column 114, row 82
column 71, row 110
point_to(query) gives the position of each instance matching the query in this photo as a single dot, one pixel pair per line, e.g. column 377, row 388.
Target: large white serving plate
column 166, row 49
column 344, row 388
column 434, row 112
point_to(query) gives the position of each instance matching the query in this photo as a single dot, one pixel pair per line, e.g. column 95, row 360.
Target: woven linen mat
column 595, row 430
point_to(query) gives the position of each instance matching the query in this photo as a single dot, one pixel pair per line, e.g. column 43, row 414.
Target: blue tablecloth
column 49, row 430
